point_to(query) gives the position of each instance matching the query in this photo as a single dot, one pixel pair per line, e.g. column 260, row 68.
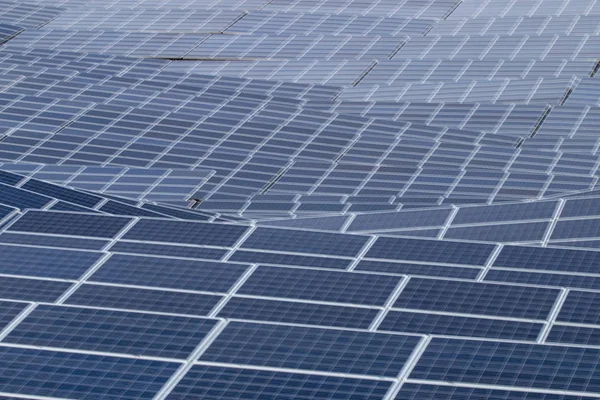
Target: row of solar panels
column 288, row 23
column 405, row 8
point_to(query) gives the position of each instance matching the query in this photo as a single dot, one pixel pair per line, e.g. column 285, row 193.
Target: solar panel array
column 294, row 199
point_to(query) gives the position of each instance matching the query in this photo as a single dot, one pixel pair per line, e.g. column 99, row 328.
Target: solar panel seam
column 196, row 354
column 232, row 291
column 83, row 278
column 388, row 304
column 17, row 320
column 553, row 315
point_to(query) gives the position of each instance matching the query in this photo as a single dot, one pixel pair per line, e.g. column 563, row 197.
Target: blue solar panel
column 128, row 298
column 9, row 310
column 510, row 364
column 167, row 250
column 428, row 250
column 311, row 349
column 289, row 259
column 548, row 259
column 33, row 261
column 477, row 298
column 98, row 226
column 52, row 241
column 418, row 269
column 453, row 325
column 331, row 286
column 188, row 233
column 304, row 242
column 223, row 383
column 580, row 307
column 111, row 331
column 169, row 273
column 83, row 376
column 32, row 289
column 413, row 391
column 299, row 313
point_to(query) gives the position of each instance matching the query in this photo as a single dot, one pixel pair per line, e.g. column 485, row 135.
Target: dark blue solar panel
column 299, row 313
column 32, row 289
column 167, row 250
column 579, row 228
column 10, row 178
column 510, row 364
column 332, row 286
column 100, row 226
column 574, row 334
column 71, row 196
column 453, row 325
column 477, row 298
column 22, row 199
column 548, row 259
column 418, row 269
column 581, row 208
column 222, row 383
column 311, row 348
column 64, row 206
column 52, row 241
column 176, row 213
column 115, row 208
column 429, row 250
column 580, row 307
column 111, row 331
column 505, row 212
column 169, row 273
column 305, row 242
column 185, row 232
column 413, row 391
column 5, row 211
column 52, row 263
column 128, row 298
column 544, row 278
column 9, row 310
column 521, row 232
column 81, row 376
column 289, row 259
